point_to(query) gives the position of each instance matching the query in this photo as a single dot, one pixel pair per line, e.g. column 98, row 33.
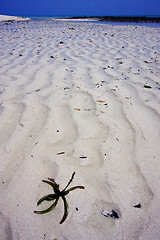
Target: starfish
column 57, row 194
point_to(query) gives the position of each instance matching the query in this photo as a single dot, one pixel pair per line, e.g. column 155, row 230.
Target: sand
column 12, row 18
column 80, row 89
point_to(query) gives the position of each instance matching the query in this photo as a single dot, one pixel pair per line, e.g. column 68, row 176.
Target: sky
column 79, row 7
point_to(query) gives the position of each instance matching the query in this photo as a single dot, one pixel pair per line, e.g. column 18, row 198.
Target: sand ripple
column 78, row 88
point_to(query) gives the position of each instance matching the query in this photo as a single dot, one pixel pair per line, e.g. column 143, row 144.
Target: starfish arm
column 65, row 210
column 48, row 197
column 48, row 209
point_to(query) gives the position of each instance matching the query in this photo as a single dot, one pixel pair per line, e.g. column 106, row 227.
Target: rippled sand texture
column 78, row 88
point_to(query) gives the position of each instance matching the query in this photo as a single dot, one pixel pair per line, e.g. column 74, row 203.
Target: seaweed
column 147, row 86
column 57, row 194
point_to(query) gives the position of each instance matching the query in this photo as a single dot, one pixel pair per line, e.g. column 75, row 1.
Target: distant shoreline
column 121, row 19
column 130, row 19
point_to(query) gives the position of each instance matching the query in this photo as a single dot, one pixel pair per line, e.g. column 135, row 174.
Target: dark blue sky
column 79, row 7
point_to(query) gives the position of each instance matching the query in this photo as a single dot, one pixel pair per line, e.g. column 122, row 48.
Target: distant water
column 72, row 16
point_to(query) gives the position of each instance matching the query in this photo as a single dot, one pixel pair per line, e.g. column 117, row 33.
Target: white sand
column 12, row 18
column 76, row 19
column 88, row 100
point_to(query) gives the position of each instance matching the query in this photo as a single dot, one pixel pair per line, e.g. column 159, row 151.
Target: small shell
column 105, row 213
column 114, row 214
column 111, row 214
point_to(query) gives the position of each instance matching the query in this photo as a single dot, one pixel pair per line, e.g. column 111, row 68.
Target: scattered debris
column 147, row 86
column 113, row 214
column 59, row 153
column 147, row 62
column 137, row 205
column 100, row 101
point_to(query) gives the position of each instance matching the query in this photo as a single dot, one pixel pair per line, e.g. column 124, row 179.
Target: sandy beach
column 83, row 97
column 12, row 18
